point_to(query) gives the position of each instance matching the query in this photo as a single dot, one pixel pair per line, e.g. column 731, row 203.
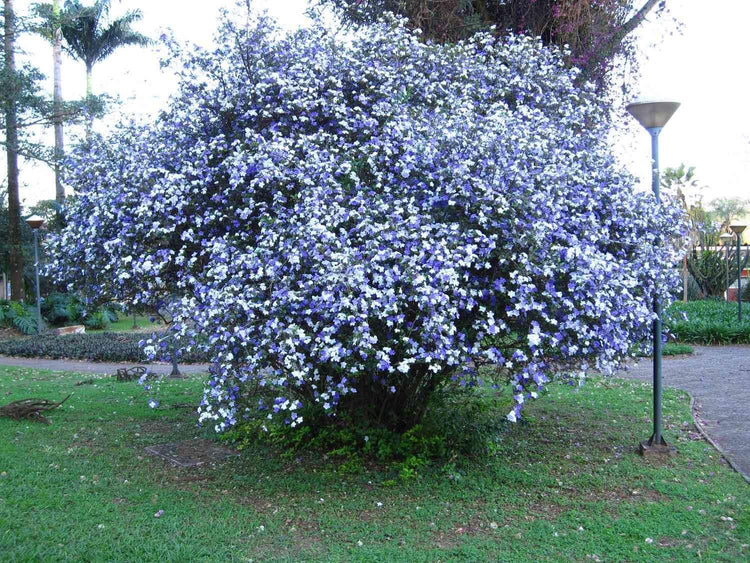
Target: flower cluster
column 350, row 224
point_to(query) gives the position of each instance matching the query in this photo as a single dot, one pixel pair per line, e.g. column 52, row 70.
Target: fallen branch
column 30, row 409
column 86, row 382
column 130, row 374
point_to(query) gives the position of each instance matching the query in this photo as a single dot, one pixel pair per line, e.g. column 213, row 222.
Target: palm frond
column 83, row 29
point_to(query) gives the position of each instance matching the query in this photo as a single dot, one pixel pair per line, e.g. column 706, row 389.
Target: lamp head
column 35, row 222
column 725, row 237
column 737, row 229
column 652, row 114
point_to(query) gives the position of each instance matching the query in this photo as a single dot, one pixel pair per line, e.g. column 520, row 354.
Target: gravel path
column 82, row 366
column 718, row 378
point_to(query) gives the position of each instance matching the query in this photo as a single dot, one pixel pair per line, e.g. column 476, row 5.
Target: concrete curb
column 710, row 440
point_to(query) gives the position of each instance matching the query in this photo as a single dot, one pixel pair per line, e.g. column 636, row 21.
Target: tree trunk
column 606, row 50
column 89, row 94
column 11, row 139
column 57, row 103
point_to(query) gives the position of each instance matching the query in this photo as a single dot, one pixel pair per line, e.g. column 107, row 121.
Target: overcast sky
column 704, row 68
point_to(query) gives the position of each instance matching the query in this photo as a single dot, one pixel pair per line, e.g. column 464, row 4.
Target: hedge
column 98, row 347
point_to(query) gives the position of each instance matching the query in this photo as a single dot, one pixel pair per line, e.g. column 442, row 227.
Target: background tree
column 12, row 88
column 708, row 266
column 680, row 183
column 24, row 107
column 729, row 209
column 50, row 27
column 596, row 31
column 90, row 37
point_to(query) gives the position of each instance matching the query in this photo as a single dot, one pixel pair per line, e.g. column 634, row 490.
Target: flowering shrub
column 348, row 226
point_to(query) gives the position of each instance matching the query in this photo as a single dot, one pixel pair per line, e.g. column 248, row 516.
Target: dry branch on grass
column 30, row 409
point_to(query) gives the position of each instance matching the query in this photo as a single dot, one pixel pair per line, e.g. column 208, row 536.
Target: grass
column 564, row 485
column 676, row 349
column 708, row 322
column 671, row 349
column 125, row 324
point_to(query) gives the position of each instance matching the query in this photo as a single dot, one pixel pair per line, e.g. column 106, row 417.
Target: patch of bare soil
column 625, row 495
column 157, row 427
column 544, row 510
column 450, row 538
column 190, row 453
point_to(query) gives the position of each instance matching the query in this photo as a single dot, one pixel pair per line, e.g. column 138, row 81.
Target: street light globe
column 725, row 237
column 737, row 229
column 652, row 114
column 35, row 221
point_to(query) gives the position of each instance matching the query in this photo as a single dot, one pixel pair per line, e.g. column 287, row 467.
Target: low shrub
column 668, row 349
column 707, row 322
column 98, row 347
column 19, row 316
column 709, row 269
column 65, row 308
column 100, row 319
column 677, row 349
column 465, row 422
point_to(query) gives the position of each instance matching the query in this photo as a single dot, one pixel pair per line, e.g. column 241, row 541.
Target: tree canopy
column 92, row 37
column 594, row 31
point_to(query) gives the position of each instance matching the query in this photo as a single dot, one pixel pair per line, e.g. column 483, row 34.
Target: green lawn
column 125, row 324
column 565, row 485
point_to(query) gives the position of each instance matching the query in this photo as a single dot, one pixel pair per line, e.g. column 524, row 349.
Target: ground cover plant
column 347, row 226
column 709, row 321
column 564, row 485
column 668, row 349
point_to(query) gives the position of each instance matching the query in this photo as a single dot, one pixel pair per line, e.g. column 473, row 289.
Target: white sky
column 704, row 67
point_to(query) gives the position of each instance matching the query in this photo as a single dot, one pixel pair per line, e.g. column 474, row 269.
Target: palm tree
column 50, row 28
column 91, row 38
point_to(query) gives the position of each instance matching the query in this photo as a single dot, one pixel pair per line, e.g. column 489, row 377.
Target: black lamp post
column 726, row 239
column 737, row 230
column 35, row 223
column 653, row 116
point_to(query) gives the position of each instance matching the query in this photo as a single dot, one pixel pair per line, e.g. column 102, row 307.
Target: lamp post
column 35, row 223
column 653, row 116
column 737, row 230
column 726, row 238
